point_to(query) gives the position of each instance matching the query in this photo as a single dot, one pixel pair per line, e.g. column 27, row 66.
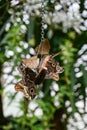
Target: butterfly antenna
column 58, row 53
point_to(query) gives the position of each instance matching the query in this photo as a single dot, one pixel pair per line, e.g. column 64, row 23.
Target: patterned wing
column 41, row 76
column 29, row 76
column 19, row 86
column 43, row 48
column 53, row 67
column 28, row 91
column 31, row 62
column 27, row 73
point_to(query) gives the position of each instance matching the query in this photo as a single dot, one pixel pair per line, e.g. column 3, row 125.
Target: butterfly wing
column 19, row 86
column 41, row 76
column 29, row 76
column 31, row 62
column 43, row 48
column 52, row 67
column 59, row 69
column 29, row 91
column 27, row 85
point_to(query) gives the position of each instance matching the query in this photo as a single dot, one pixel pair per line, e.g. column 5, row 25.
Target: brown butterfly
column 34, row 70
column 29, row 82
column 48, row 62
column 52, row 66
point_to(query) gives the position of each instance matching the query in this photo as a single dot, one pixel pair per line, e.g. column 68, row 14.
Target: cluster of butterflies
column 34, row 70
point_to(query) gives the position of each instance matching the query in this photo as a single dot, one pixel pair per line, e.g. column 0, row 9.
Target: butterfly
column 30, row 80
column 52, row 66
column 34, row 70
column 48, row 62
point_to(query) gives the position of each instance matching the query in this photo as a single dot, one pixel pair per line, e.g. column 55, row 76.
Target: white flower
column 38, row 112
column 14, row 2
column 33, row 105
column 7, row 27
column 55, row 86
column 23, row 28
